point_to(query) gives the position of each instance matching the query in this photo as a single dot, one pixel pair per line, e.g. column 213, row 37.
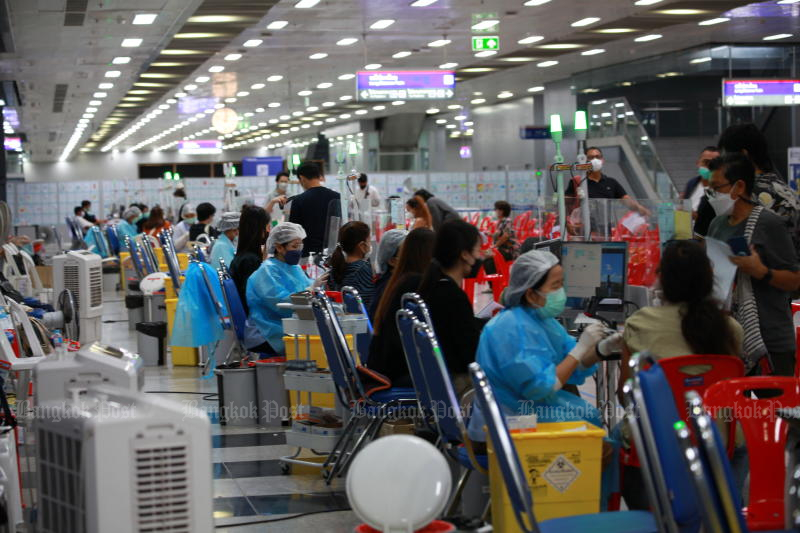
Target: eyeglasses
column 718, row 188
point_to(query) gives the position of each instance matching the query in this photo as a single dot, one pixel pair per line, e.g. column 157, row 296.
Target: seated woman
column 155, row 223
column 224, row 247
column 503, row 236
column 254, row 224
column 127, row 226
column 385, row 352
column 275, row 280
column 385, row 261
column 349, row 264
column 419, row 210
column 180, row 231
column 527, row 354
column 457, row 255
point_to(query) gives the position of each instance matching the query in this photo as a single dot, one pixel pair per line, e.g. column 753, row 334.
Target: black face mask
column 362, row 185
column 476, row 267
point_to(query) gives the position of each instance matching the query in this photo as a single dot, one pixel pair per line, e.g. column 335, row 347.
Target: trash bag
column 197, row 320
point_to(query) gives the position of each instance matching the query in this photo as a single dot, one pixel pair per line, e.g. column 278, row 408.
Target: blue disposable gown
column 519, row 352
column 126, row 229
column 268, row 286
column 223, row 249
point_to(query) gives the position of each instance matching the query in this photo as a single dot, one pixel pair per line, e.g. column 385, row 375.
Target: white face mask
column 282, row 186
column 597, row 165
column 722, row 204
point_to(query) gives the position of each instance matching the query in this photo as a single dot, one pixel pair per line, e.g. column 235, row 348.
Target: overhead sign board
column 485, row 43
column 754, row 92
column 534, row 132
column 381, row 85
column 200, row 146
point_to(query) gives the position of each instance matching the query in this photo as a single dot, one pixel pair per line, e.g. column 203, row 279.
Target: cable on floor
column 283, row 518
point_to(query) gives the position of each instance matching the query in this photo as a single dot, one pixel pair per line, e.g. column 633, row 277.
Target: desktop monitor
column 595, row 270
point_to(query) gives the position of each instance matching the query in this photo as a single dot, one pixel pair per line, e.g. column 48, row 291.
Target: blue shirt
column 223, row 249
column 126, row 229
column 519, row 351
column 270, row 285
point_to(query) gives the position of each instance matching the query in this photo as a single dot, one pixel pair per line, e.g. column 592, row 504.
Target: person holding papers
column 768, row 270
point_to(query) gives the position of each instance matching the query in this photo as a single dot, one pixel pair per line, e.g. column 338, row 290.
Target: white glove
column 610, row 345
column 320, row 281
column 587, row 342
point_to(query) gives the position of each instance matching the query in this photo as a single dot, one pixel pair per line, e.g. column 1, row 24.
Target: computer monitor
column 595, row 270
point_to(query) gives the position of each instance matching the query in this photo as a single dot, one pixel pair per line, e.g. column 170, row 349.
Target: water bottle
column 58, row 344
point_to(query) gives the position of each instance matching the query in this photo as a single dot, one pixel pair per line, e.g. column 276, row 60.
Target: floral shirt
column 509, row 248
column 771, row 191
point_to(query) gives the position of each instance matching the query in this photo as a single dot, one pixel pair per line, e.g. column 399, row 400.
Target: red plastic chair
column 765, row 435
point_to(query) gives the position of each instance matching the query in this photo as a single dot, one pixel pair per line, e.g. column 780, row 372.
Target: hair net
column 188, row 209
column 283, row 233
column 526, row 271
column 132, row 211
column 230, row 220
column 388, row 247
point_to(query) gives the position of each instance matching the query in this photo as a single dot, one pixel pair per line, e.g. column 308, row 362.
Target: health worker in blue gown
column 225, row 246
column 127, row 226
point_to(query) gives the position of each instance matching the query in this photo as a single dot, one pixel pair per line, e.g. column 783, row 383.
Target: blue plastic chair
column 405, row 321
column 113, row 239
column 431, row 370
column 519, row 492
column 414, row 303
column 372, row 409
column 719, row 500
column 653, row 416
column 353, row 304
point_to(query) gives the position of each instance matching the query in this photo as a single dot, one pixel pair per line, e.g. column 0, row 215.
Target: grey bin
column 134, row 303
column 151, row 340
column 110, row 278
column 237, row 396
column 273, row 400
column 155, row 307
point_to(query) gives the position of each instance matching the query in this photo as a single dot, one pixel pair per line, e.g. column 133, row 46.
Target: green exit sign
column 485, row 43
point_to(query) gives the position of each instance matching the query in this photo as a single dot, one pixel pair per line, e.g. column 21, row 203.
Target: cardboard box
column 46, row 275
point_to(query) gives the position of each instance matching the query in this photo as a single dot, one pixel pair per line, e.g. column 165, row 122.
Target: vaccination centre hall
column 400, row 266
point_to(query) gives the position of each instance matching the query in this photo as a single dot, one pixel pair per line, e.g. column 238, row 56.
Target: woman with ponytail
column 349, row 264
column 690, row 321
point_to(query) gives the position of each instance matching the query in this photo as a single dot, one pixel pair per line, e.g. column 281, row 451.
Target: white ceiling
column 47, row 53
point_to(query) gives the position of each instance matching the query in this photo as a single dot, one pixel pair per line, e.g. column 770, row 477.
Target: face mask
column 555, row 303
column 597, row 165
column 145, row 215
column 191, row 221
column 362, row 185
column 475, row 268
column 292, row 257
column 704, row 173
column 137, row 219
column 722, row 204
column 283, row 186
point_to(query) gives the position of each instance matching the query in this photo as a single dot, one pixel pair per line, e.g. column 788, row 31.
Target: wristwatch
column 768, row 276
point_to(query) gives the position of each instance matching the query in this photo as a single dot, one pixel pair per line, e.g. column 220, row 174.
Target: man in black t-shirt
column 205, row 216
column 313, row 208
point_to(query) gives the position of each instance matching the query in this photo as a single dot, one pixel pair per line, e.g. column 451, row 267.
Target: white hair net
column 388, row 247
column 188, row 211
column 230, row 220
column 283, row 233
column 526, row 271
column 132, row 211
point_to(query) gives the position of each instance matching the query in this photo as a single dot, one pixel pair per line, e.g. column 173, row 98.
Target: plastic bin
column 155, row 310
column 134, row 303
column 151, row 341
column 237, row 395
column 273, row 400
column 562, row 461
column 110, row 278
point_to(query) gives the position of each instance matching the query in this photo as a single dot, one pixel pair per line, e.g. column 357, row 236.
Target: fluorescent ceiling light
column 274, row 78
column 545, row 64
column 362, row 112
column 505, row 94
column 168, row 64
column 277, row 24
column 372, row 66
column 106, row 86
column 144, row 18
column 382, row 24
column 202, row 79
column 113, row 74
column 95, row 102
column 274, row 104
column 328, row 104
column 441, row 121
column 401, row 55
column 536, row 89
column 325, row 85
column 535, row 2
column 431, row 111
column 530, row 40
column 190, row 87
column 398, row 102
column 646, row 2
column 700, row 60
column 216, row 68
column 121, row 60
column 560, row 46
column 312, row 109
column 347, row 41
column 347, row 77
column 91, row 110
column 240, row 94
column 305, row 92
column 439, row 42
column 422, row 3
column 477, row 101
column 180, row 52
column 584, row 22
column 646, row 38
column 517, row 59
column 486, row 53
column 593, row 52
column 382, row 107
column 616, row 30
column 198, row 35
column 448, row 65
column 131, row 42
column 477, row 69
column 252, row 43
column 233, row 57
column 485, row 24
column 711, row 22
column 345, row 98
column 681, row 12
column 216, row 18
column 318, row 55
column 454, row 106
column 257, row 86
column 306, row 4
column 788, row 1
column 99, row 95
column 777, row 36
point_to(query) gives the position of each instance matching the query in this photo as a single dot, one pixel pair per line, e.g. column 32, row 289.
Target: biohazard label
column 561, row 473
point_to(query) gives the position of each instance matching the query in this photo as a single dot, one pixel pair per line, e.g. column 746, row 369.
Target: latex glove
column 611, row 345
column 320, row 281
column 587, row 342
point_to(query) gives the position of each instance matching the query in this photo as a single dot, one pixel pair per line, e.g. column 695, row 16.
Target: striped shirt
column 358, row 275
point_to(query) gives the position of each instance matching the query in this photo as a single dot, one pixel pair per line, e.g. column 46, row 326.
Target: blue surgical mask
column 292, row 257
column 704, row 173
column 555, row 303
column 190, row 221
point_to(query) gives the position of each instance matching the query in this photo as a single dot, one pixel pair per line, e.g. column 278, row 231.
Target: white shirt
column 697, row 195
column 277, row 212
column 83, row 223
column 364, row 197
column 180, row 235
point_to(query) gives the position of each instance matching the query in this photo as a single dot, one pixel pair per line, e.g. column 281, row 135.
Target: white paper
column 719, row 253
column 633, row 222
column 583, row 319
column 488, row 311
